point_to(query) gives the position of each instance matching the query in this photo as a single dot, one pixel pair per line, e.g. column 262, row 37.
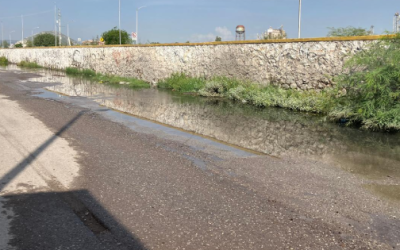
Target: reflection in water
column 272, row 131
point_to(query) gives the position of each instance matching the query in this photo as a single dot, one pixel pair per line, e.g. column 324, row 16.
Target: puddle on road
column 49, row 95
column 391, row 192
column 272, row 131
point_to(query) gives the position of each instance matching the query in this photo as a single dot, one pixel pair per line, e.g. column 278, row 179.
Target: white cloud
column 222, row 32
column 197, row 38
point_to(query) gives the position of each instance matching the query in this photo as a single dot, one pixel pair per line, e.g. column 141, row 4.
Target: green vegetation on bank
column 367, row 96
column 3, row 61
column 80, row 72
column 372, row 86
column 110, row 79
column 29, row 64
column 348, row 31
column 251, row 93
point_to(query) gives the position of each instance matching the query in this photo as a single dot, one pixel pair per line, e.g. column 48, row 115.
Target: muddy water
column 273, row 131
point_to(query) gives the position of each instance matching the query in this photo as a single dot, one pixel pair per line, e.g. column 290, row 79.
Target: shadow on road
column 32, row 156
column 61, row 220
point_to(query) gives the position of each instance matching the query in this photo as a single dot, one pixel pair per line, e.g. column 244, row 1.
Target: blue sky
column 196, row 21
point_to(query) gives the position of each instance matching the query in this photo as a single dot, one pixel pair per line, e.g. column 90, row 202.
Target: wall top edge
column 296, row 40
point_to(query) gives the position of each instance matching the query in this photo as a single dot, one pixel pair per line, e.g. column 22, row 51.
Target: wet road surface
column 141, row 189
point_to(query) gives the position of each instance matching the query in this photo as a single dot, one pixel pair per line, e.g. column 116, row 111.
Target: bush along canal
column 3, row 61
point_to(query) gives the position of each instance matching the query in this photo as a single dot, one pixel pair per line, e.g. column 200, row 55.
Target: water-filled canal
column 272, row 131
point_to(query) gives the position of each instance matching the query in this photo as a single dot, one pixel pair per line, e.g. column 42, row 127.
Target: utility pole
column 2, row 38
column 119, row 22
column 55, row 24
column 299, row 18
column 396, row 22
column 59, row 27
column 22, row 40
column 69, row 39
column 10, row 35
column 137, row 23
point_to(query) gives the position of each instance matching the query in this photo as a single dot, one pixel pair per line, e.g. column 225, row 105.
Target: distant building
column 87, row 42
column 273, row 34
column 92, row 42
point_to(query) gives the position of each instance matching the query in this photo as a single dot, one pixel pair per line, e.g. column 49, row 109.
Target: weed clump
column 80, row 72
column 182, row 83
column 29, row 64
column 72, row 71
column 107, row 79
column 3, row 61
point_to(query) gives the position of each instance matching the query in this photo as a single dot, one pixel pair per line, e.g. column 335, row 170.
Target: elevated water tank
column 240, row 29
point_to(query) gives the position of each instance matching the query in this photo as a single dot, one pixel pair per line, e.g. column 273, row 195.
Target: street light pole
column 299, row 18
column 69, row 40
column 119, row 22
column 22, row 41
column 10, row 35
column 137, row 23
column 2, row 38
column 55, row 24
column 32, row 35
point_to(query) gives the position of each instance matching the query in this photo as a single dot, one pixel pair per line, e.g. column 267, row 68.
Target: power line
column 32, row 14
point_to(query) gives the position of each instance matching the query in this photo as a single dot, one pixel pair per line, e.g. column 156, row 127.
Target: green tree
column 45, row 40
column 218, row 39
column 18, row 45
column 29, row 43
column 6, row 44
column 112, row 37
column 348, row 31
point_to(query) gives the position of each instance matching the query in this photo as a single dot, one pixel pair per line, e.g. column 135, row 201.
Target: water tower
column 240, row 33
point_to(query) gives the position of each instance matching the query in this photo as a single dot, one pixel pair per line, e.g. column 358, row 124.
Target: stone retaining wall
column 296, row 63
